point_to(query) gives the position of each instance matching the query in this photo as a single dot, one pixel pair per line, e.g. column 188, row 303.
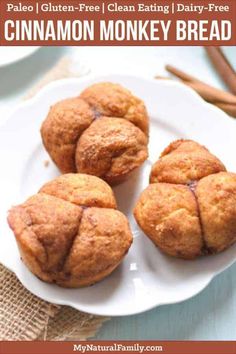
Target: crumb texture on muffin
column 184, row 161
column 189, row 208
column 106, row 124
column 70, row 232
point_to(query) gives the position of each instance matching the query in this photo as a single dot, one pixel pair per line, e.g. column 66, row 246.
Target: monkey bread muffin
column 103, row 132
column 189, row 209
column 70, row 232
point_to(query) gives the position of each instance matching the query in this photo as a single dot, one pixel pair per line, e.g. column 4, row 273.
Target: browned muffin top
column 189, row 209
column 70, row 232
column 184, row 161
column 102, row 112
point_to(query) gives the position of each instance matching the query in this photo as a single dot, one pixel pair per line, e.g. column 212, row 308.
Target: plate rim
column 123, row 314
column 93, row 78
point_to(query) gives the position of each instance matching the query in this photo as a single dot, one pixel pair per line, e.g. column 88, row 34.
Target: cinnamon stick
column 179, row 73
column 211, row 94
column 222, row 66
column 222, row 99
column 208, row 92
column 228, row 108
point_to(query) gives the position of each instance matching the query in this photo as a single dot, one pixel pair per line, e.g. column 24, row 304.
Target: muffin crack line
column 67, row 255
column 192, row 187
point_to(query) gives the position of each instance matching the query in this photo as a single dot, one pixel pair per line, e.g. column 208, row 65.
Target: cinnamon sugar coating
column 111, row 148
column 189, row 209
column 105, row 111
column 71, row 233
column 184, row 161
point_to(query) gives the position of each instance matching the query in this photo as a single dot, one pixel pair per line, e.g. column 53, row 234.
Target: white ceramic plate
column 146, row 278
column 9, row 55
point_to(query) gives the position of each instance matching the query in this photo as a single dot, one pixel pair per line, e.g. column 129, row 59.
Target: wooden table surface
column 211, row 315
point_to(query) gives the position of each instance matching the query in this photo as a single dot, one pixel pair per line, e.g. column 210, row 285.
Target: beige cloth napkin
column 23, row 316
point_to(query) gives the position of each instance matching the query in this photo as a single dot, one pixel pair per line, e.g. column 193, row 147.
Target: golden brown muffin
column 216, row 196
column 63, row 127
column 111, row 148
column 184, row 161
column 71, row 233
column 189, row 209
column 103, row 112
column 168, row 214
